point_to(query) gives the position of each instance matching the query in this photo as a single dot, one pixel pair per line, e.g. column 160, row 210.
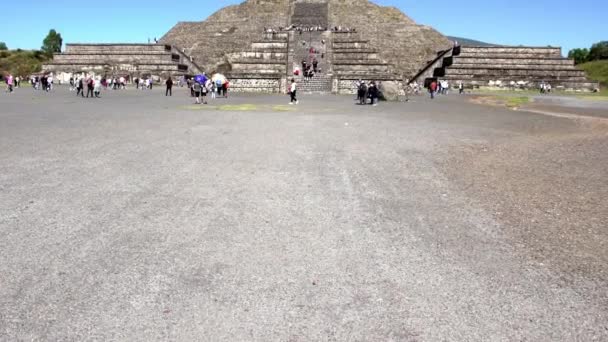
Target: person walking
column 97, row 87
column 9, row 83
column 197, row 92
column 213, row 90
column 79, row 87
column 373, row 93
column 225, row 86
column 293, row 88
column 433, row 89
column 204, row 90
column 169, row 83
column 90, row 87
column 461, row 88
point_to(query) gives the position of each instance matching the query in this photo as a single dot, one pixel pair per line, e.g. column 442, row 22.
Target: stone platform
column 506, row 66
column 132, row 59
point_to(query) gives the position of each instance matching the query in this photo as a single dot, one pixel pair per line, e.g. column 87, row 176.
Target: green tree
column 599, row 51
column 579, row 55
column 3, row 46
column 52, row 43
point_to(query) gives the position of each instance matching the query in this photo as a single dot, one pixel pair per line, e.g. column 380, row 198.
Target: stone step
column 71, row 67
column 361, row 67
column 253, row 75
column 107, row 48
column 531, row 83
column 512, row 50
column 512, row 78
column 259, row 55
column 354, row 50
column 513, row 66
column 513, row 72
column 268, row 45
column 509, row 55
column 69, row 58
column 337, row 46
column 355, row 57
column 350, row 40
column 512, row 61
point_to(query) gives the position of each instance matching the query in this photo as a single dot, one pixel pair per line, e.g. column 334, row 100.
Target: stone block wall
column 349, row 87
column 135, row 59
column 509, row 66
column 255, row 85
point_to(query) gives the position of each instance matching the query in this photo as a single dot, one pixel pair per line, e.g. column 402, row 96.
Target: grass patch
column 283, row 108
column 197, row 107
column 513, row 101
column 596, row 71
column 240, row 107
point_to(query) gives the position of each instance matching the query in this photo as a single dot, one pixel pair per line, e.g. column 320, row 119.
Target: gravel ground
column 139, row 217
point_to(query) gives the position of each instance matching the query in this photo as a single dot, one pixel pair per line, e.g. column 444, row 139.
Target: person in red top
column 433, row 89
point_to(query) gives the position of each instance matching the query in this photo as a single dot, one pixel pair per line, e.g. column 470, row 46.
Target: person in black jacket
column 169, row 84
column 373, row 93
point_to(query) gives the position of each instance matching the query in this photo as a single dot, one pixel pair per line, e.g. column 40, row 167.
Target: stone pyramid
column 396, row 39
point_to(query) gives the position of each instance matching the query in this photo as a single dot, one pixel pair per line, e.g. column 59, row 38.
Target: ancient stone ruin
column 260, row 43
column 505, row 67
column 134, row 60
column 351, row 40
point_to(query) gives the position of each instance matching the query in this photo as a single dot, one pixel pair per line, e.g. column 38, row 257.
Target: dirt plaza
column 143, row 217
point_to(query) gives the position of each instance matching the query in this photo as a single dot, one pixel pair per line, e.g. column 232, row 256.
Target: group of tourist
column 309, row 70
column 92, row 86
column 200, row 90
column 367, row 91
column 343, row 29
column 545, row 87
column 301, row 29
column 143, row 84
column 295, row 28
column 442, row 87
column 43, row 82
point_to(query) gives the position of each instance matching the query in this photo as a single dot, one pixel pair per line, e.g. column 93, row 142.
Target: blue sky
column 563, row 23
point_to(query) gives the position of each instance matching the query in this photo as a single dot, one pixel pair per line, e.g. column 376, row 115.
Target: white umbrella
column 218, row 77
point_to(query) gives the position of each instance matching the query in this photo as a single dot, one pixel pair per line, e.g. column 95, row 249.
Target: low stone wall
column 268, row 45
column 514, row 72
column 109, row 48
column 512, row 61
column 349, row 87
column 542, row 51
column 116, row 58
column 361, row 67
column 156, row 69
column 256, row 85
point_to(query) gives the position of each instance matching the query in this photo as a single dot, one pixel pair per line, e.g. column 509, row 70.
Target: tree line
column 598, row 51
column 26, row 62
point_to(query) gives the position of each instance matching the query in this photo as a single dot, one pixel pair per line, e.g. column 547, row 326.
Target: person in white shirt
column 293, row 88
column 97, row 87
column 49, row 81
